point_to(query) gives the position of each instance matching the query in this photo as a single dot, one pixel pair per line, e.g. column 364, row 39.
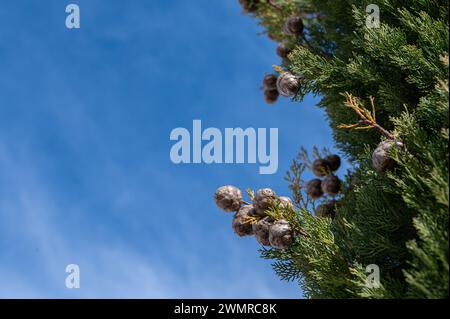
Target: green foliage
column 422, row 182
column 397, row 220
column 314, row 259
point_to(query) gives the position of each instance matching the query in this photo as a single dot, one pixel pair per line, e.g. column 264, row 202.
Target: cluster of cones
column 326, row 183
column 253, row 219
column 285, row 84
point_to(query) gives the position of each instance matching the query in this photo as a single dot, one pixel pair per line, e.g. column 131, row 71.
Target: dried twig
column 367, row 118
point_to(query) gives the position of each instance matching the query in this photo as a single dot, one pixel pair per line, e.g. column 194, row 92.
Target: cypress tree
column 384, row 89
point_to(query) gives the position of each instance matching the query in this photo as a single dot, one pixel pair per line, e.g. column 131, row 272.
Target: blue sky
column 85, row 172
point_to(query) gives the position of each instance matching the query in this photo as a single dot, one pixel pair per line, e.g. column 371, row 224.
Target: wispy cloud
column 33, row 215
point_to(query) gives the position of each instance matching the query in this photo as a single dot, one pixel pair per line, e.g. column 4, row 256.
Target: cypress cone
column 229, row 198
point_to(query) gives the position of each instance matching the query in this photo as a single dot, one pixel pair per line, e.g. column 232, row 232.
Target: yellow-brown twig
column 367, row 118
